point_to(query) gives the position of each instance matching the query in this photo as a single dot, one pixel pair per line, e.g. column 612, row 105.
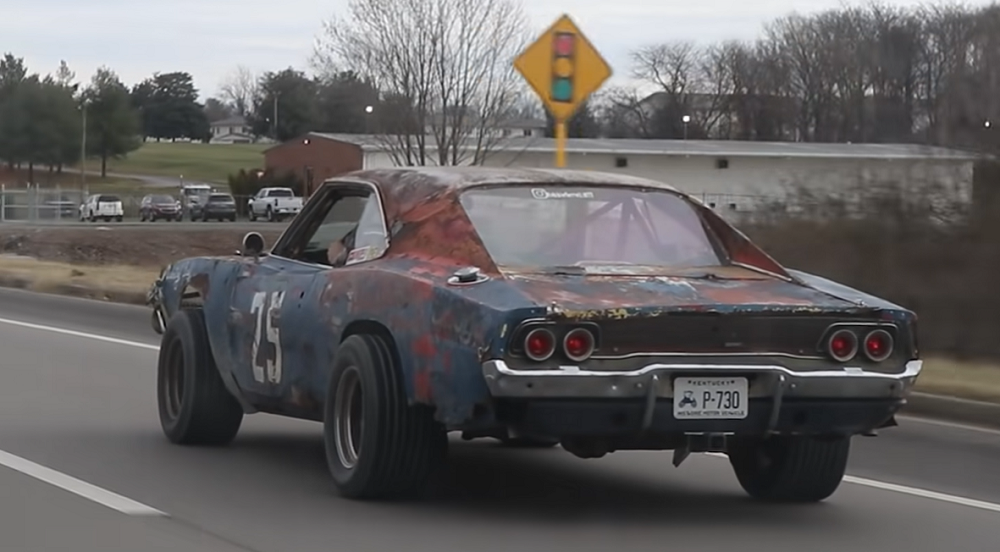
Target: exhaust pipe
column 159, row 325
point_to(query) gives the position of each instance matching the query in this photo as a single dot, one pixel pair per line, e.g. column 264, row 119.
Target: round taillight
column 843, row 345
column 539, row 344
column 878, row 345
column 578, row 344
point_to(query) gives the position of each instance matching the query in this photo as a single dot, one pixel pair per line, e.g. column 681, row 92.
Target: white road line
column 945, row 423
column 912, row 491
column 83, row 335
column 78, row 487
column 923, row 493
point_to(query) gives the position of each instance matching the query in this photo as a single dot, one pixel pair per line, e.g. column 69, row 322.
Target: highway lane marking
column 945, row 423
column 83, row 335
column 903, row 489
column 65, row 482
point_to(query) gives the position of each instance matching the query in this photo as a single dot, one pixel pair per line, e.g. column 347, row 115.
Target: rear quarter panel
column 442, row 333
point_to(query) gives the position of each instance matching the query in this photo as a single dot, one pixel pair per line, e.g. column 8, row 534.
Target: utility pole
column 275, row 116
column 83, row 151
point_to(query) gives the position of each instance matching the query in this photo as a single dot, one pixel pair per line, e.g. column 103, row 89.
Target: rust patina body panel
column 443, row 333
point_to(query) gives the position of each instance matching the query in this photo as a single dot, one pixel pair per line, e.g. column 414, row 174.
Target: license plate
column 710, row 398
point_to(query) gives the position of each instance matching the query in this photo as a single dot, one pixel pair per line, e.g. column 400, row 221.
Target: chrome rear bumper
column 655, row 381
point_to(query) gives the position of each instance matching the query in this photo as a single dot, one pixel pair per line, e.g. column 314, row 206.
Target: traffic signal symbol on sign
column 562, row 67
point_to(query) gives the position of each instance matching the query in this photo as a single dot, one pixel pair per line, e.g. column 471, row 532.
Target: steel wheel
column 349, row 417
column 173, row 388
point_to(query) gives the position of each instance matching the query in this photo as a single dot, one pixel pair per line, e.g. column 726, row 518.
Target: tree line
column 859, row 74
column 54, row 121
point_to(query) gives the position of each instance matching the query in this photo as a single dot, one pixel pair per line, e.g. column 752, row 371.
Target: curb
column 953, row 409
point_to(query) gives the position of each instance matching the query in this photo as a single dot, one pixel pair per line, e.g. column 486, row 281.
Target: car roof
column 437, row 180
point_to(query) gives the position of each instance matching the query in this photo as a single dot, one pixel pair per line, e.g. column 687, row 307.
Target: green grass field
column 195, row 161
column 68, row 181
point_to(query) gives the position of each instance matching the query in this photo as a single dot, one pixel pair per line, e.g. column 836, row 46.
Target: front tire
column 195, row 406
column 377, row 445
column 790, row 468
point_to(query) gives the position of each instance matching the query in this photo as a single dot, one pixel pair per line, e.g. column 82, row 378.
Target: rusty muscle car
column 536, row 307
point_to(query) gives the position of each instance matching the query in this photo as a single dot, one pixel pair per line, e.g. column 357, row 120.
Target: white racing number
column 265, row 329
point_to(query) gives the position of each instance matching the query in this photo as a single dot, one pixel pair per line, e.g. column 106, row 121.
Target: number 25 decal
column 266, row 330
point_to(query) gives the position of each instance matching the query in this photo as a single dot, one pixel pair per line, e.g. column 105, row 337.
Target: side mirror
column 253, row 244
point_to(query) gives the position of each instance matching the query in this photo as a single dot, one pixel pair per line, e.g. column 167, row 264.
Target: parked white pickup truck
column 274, row 204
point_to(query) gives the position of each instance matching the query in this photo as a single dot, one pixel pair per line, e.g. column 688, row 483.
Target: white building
column 233, row 130
column 727, row 175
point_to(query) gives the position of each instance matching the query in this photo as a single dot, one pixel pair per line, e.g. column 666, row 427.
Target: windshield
column 567, row 226
column 162, row 199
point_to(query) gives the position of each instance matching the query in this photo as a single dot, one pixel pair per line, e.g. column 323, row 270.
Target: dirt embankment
column 145, row 246
column 109, row 263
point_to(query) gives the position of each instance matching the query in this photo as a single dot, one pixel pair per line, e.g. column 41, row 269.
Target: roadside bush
column 914, row 243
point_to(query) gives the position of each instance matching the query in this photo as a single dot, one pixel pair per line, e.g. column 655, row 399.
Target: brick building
column 315, row 156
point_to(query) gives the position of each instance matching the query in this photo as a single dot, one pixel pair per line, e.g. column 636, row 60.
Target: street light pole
column 275, row 116
column 83, row 150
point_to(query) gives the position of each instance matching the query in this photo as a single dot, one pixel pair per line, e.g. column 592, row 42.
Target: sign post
column 564, row 69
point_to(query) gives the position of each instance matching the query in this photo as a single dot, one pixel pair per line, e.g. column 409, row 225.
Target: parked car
column 102, row 206
column 192, row 195
column 158, row 206
column 216, row 206
column 62, row 208
column 275, row 204
column 534, row 306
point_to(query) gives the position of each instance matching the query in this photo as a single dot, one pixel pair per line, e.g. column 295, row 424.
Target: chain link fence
column 46, row 205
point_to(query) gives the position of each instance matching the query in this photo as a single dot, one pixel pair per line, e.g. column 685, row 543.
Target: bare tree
column 239, row 89
column 450, row 62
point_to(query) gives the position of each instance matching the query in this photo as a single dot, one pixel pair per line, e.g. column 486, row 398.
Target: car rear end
column 287, row 206
column 219, row 207
column 108, row 207
column 652, row 331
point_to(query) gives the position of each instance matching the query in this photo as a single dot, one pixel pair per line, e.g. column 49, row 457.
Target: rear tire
column 195, row 406
column 377, row 445
column 790, row 468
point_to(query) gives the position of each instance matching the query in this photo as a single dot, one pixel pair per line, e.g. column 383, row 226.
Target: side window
column 346, row 229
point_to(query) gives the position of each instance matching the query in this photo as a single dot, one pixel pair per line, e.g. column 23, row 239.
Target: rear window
column 218, row 198
column 107, row 199
column 280, row 193
column 579, row 225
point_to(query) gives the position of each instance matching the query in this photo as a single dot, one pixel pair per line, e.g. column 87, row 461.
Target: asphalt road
column 77, row 399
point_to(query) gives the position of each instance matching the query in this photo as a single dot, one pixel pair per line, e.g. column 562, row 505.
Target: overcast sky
column 209, row 37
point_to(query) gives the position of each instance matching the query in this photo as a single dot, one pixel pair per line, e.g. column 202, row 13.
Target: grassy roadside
column 120, row 283
column 195, row 161
column 128, row 284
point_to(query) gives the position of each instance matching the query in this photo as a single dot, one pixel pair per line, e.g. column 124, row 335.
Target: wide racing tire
column 195, row 406
column 377, row 445
column 790, row 468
